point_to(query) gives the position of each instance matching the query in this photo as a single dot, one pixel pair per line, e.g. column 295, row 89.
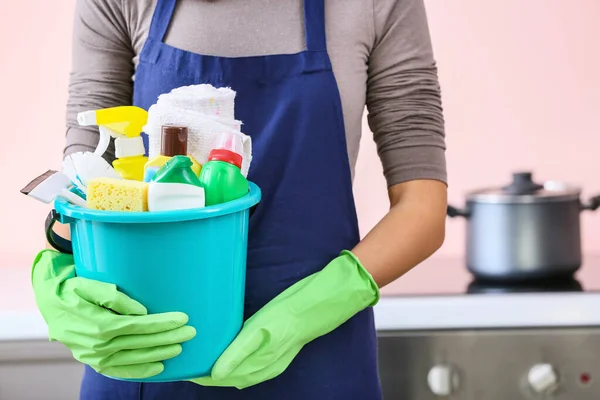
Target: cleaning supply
column 175, row 186
column 174, row 140
column 125, row 124
column 204, row 98
column 221, row 175
column 103, row 327
column 207, row 111
column 52, row 184
column 117, row 195
column 81, row 167
column 192, row 261
column 312, row 307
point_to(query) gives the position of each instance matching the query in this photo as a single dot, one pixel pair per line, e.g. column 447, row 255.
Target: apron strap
column 161, row 19
column 314, row 25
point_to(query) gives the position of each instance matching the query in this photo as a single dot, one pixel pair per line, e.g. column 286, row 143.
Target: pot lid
column 524, row 189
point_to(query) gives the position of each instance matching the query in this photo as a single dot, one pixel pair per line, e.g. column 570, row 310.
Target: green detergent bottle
column 175, row 186
column 221, row 176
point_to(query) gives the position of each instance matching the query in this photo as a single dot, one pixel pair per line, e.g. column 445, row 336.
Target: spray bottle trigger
column 105, row 134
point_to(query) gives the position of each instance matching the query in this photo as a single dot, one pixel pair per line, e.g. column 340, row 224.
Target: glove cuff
column 373, row 293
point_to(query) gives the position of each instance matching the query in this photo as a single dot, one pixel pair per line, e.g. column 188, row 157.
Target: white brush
column 82, row 167
column 50, row 185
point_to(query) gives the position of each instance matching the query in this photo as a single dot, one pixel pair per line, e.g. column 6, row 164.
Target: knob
column 522, row 183
column 542, row 378
column 442, row 380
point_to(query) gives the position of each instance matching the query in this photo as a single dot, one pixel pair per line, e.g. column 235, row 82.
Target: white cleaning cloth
column 204, row 99
column 206, row 111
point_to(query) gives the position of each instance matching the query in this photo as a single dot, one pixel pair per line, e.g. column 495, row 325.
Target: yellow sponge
column 117, row 195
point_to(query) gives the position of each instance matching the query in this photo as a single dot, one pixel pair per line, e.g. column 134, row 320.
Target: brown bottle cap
column 174, row 140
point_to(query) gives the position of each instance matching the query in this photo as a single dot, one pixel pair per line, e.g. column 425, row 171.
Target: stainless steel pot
column 524, row 230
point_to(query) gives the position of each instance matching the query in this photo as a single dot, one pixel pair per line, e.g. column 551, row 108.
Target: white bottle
column 164, row 196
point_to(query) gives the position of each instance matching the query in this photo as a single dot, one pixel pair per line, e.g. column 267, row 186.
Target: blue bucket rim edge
column 68, row 211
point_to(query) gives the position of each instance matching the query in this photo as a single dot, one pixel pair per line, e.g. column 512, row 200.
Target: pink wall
column 521, row 89
column 35, row 41
column 520, row 86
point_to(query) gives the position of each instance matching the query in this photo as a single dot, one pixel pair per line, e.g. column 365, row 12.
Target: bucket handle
column 57, row 242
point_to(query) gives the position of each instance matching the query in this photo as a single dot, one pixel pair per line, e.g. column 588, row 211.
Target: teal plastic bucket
column 193, row 261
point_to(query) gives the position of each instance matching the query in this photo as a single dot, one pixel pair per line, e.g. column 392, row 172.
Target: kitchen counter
column 429, row 297
column 433, row 296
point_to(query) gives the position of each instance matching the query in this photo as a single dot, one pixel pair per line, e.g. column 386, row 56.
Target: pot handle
column 593, row 204
column 452, row 212
column 59, row 243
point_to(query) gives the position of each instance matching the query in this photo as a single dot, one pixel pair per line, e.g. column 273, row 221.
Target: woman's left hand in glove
column 270, row 340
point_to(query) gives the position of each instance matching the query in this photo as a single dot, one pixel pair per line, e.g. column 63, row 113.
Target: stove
column 443, row 335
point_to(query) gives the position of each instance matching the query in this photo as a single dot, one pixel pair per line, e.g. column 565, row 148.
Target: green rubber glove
column 271, row 338
column 103, row 327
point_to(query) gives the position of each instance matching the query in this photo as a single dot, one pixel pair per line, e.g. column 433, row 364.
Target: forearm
column 411, row 231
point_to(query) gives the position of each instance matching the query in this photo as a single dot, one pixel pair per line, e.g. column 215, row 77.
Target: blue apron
column 291, row 107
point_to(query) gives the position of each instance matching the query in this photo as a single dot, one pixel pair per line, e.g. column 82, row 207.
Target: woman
column 303, row 72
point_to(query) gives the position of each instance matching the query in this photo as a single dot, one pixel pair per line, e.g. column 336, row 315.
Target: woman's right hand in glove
column 103, row 327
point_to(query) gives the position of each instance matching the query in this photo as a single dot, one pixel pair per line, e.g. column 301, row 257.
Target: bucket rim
column 71, row 211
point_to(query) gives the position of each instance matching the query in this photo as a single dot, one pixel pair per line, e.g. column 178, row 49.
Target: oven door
column 557, row 363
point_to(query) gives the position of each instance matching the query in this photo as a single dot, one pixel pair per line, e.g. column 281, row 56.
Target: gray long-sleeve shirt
column 380, row 51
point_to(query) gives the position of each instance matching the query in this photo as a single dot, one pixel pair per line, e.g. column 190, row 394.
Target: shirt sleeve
column 403, row 94
column 101, row 71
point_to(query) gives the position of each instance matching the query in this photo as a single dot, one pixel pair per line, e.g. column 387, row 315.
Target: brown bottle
column 174, row 142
